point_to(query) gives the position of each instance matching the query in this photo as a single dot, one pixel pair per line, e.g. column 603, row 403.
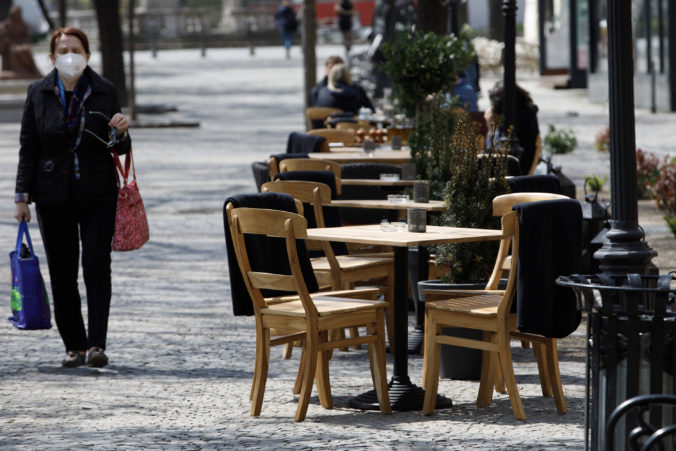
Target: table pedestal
column 404, row 396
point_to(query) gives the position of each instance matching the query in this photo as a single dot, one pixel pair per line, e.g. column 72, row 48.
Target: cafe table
column 396, row 157
column 404, row 395
column 385, row 183
column 384, row 204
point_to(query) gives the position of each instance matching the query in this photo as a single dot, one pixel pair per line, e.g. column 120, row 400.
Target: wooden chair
column 345, row 270
column 544, row 348
column 334, row 135
column 314, row 114
column 310, row 164
column 354, row 126
column 487, row 310
column 536, row 155
column 307, row 317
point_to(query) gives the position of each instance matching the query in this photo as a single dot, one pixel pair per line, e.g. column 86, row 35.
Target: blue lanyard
column 62, row 97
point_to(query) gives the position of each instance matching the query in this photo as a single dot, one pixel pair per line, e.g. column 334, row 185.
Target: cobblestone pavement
column 180, row 363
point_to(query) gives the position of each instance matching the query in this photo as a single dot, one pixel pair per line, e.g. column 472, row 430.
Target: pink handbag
column 131, row 224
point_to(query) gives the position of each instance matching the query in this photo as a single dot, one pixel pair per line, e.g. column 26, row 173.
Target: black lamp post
column 625, row 249
column 509, row 8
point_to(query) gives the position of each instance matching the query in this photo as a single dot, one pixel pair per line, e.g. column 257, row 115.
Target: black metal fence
column 631, row 331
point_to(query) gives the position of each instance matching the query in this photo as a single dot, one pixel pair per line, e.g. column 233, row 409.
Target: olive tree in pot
column 477, row 177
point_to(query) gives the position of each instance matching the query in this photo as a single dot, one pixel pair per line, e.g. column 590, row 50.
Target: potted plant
column 469, row 194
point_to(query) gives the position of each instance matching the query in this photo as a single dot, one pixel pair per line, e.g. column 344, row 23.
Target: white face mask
column 70, row 65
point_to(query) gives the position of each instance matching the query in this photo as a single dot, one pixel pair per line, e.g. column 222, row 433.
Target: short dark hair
column 71, row 31
column 497, row 97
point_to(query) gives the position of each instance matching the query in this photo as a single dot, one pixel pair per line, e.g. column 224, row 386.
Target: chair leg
column 322, row 374
column 338, row 334
column 309, row 374
column 488, row 373
column 301, row 371
column 431, row 364
column 287, row 351
column 499, row 380
column 378, row 365
column 422, row 351
column 505, row 356
column 554, row 375
column 354, row 332
column 541, row 359
column 261, row 369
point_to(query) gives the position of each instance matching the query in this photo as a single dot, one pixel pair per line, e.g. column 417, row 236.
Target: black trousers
column 62, row 229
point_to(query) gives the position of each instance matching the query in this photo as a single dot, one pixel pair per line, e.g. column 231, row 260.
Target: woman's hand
column 22, row 211
column 119, row 122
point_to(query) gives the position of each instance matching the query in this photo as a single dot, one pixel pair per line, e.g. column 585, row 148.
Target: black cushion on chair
column 260, row 249
column 550, row 245
column 366, row 171
column 261, row 173
column 303, row 143
column 331, row 214
column 535, row 184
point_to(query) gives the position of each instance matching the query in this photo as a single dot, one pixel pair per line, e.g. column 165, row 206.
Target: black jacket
column 46, row 158
column 364, row 100
column 347, row 99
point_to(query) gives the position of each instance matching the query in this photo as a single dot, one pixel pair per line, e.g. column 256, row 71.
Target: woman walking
column 345, row 10
column 71, row 121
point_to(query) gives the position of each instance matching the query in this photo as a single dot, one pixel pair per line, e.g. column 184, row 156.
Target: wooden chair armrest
column 435, row 295
column 359, row 293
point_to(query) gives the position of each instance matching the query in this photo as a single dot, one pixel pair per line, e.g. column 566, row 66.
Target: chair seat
column 483, row 305
column 326, row 306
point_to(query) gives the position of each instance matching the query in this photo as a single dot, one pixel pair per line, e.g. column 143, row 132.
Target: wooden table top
column 372, row 234
column 384, row 204
column 396, row 157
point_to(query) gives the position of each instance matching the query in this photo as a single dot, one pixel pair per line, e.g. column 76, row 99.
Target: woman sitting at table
column 339, row 92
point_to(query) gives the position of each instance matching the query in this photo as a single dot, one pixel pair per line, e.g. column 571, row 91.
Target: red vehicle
column 326, row 15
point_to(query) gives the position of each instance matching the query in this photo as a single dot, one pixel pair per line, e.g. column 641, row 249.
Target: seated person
column 526, row 121
column 331, row 61
column 464, row 89
column 340, row 92
column 17, row 59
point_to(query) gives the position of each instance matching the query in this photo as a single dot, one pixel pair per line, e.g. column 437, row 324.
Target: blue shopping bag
column 29, row 300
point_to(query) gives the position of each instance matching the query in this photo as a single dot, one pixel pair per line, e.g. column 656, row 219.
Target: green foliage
column 469, row 197
column 671, row 222
column 560, row 141
column 431, row 145
column 594, row 182
column 423, row 64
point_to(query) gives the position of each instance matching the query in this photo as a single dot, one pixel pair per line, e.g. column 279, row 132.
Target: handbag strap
column 23, row 231
column 123, row 172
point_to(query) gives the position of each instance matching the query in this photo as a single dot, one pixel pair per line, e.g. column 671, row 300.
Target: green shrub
column 560, row 141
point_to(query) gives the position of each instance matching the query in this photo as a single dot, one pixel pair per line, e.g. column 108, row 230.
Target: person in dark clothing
column 331, row 61
column 339, row 92
column 66, row 168
column 286, row 23
column 345, row 10
column 526, row 122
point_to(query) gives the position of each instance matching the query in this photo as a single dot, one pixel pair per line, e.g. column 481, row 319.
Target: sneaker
column 73, row 359
column 97, row 358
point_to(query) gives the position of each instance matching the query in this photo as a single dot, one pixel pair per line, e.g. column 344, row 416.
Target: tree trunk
column 62, row 13
column 309, row 37
column 45, row 14
column 497, row 21
column 110, row 35
column 432, row 16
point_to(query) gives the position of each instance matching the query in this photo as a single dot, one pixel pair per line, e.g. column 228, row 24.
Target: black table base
column 404, row 396
column 416, row 339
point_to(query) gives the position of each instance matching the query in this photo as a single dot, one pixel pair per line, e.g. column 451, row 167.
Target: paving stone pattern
column 180, row 363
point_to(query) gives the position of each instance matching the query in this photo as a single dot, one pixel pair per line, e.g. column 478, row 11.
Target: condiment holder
column 389, row 177
column 398, row 198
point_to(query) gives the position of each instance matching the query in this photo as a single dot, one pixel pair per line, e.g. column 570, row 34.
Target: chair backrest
column 510, row 231
column 536, row 155
column 271, row 224
column 315, row 116
column 316, row 195
column 311, row 164
column 303, row 143
column 241, row 301
column 540, row 183
column 273, row 162
column 333, row 135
